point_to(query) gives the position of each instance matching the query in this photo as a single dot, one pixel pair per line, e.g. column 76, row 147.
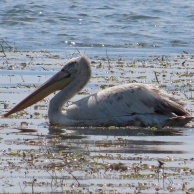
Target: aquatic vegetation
column 36, row 157
column 61, row 170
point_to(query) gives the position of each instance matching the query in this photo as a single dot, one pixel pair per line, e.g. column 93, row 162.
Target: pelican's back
column 124, row 100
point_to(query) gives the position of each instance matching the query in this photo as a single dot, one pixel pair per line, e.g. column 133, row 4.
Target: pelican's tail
column 178, row 121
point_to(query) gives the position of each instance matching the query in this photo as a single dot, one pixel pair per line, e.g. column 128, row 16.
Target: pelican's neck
column 57, row 102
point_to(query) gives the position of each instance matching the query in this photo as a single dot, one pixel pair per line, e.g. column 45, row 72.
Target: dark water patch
column 122, row 131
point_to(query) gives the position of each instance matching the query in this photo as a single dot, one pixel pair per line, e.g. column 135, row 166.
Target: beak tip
column 6, row 114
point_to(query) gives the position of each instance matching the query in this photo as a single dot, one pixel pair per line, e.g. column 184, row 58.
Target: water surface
column 130, row 29
column 127, row 41
column 36, row 157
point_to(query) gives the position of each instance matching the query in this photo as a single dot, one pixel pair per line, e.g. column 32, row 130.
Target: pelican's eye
column 69, row 69
column 63, row 69
column 65, row 72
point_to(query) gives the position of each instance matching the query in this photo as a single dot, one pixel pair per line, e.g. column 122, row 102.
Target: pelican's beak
column 57, row 82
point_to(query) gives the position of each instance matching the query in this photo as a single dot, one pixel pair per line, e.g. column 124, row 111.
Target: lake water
column 126, row 41
column 129, row 29
column 36, row 157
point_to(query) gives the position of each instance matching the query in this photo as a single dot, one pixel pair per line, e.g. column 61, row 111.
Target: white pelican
column 132, row 104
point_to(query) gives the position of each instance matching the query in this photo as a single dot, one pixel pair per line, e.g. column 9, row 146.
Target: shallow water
column 134, row 36
column 36, row 157
column 130, row 29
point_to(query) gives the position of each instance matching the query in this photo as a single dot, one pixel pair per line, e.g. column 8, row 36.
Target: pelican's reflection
column 120, row 140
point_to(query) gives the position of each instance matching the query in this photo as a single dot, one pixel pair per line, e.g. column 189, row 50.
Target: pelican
column 132, row 104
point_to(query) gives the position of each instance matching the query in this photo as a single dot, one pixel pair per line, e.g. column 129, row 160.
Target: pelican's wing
column 125, row 100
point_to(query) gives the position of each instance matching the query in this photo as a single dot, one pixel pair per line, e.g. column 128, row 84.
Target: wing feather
column 126, row 100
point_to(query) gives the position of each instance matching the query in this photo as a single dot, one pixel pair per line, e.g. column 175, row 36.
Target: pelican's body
column 130, row 104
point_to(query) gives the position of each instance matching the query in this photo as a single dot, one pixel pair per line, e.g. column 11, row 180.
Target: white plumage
column 129, row 104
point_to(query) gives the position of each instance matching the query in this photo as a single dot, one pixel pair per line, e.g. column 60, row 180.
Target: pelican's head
column 75, row 67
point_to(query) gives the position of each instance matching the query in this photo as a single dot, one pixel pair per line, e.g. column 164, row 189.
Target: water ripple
column 153, row 25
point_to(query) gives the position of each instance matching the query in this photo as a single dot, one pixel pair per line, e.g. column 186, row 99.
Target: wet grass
column 38, row 158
